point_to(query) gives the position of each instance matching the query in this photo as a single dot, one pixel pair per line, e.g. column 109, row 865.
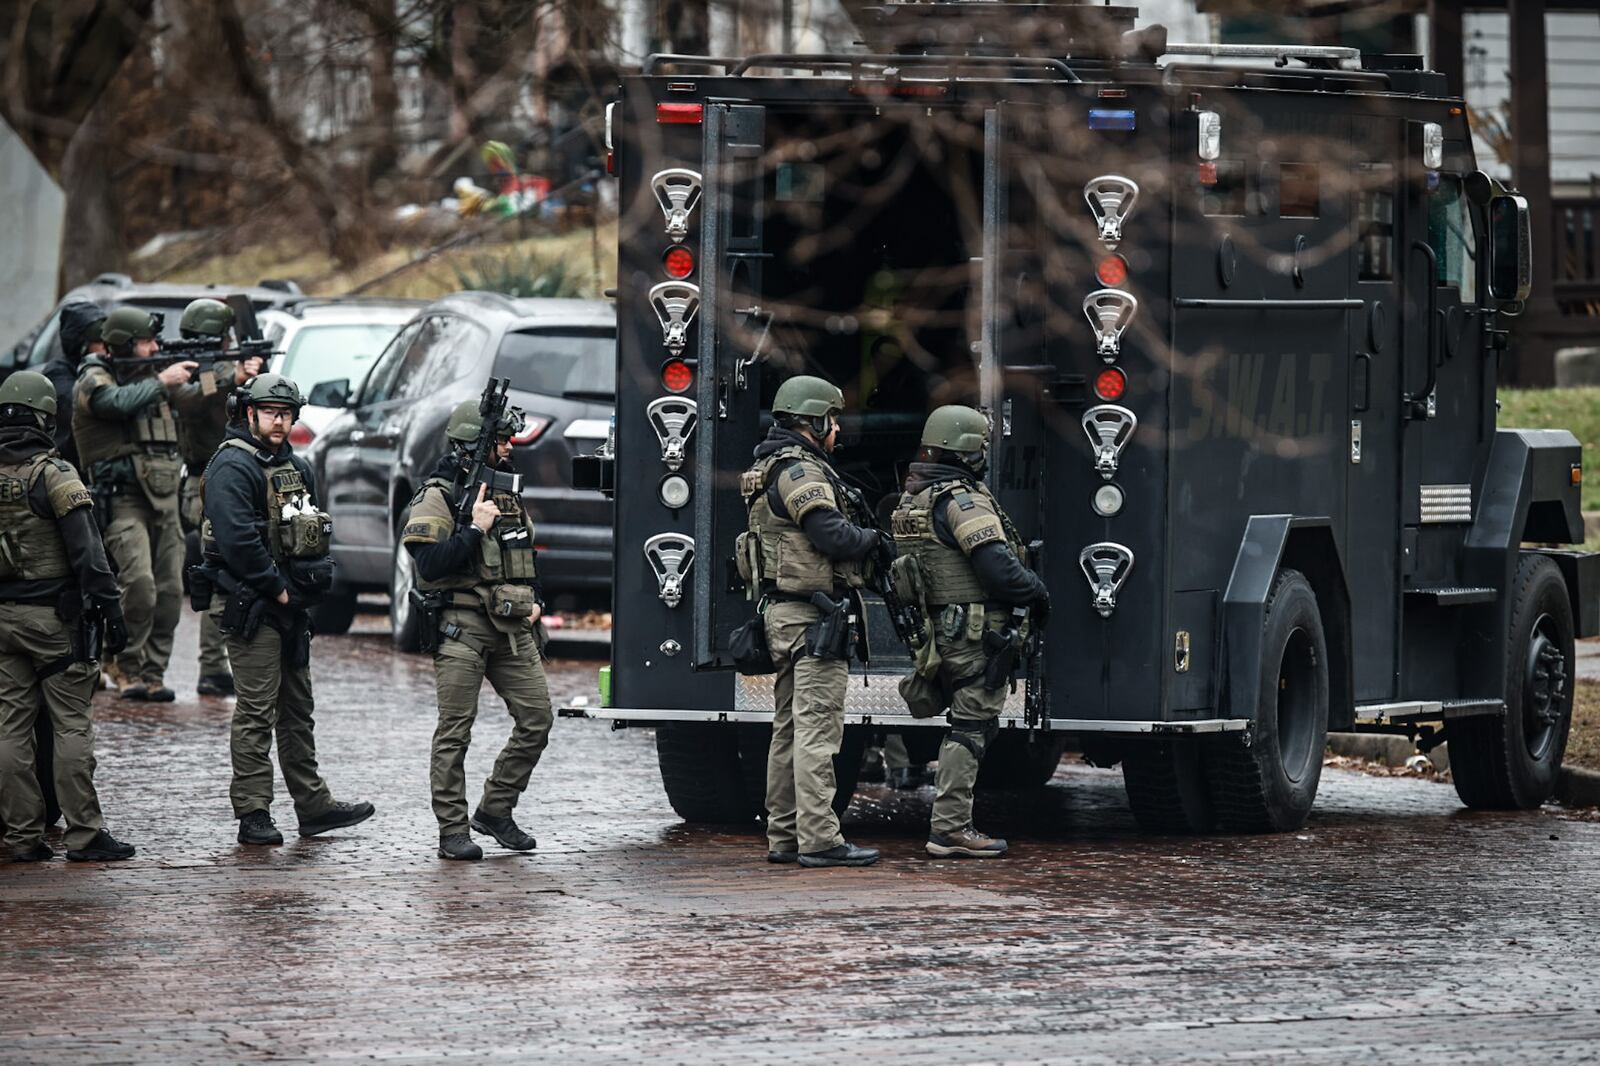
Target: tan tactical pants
column 31, row 638
column 274, row 699
column 146, row 549
column 807, row 727
column 511, row 663
column 974, row 710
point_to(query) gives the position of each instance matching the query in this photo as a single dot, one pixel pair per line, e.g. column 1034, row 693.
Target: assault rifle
column 480, row 468
column 907, row 622
column 206, row 351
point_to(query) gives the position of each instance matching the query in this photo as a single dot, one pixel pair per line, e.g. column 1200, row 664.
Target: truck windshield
column 575, row 362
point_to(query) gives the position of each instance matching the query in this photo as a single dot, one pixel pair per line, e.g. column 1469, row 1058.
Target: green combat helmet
column 125, row 325
column 960, row 430
column 465, row 422
column 270, row 388
column 206, row 317
column 807, row 396
column 26, row 390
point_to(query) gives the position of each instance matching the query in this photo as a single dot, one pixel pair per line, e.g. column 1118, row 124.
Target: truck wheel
column 702, row 773
column 1267, row 780
column 1020, row 760
column 1166, row 784
column 403, row 616
column 1512, row 762
column 335, row 614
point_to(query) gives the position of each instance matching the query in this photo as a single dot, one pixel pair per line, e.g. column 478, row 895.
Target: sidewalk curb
column 1577, row 787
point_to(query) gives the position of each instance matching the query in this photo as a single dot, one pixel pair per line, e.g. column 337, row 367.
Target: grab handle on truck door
column 1416, row 404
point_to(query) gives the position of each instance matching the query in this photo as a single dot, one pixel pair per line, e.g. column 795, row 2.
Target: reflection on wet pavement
column 1396, row 926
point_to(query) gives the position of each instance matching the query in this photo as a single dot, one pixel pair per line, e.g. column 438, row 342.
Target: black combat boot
column 846, row 854
column 504, row 830
column 783, row 858
column 156, row 691
column 216, row 685
column 257, row 827
column 459, row 846
column 336, row 817
column 103, row 848
column 39, row 852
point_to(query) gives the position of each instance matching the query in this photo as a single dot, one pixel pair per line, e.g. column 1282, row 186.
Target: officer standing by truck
column 977, row 587
column 809, row 552
column 266, row 552
column 202, row 423
column 57, row 599
column 481, row 609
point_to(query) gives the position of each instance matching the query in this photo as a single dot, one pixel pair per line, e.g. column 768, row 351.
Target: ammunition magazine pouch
column 829, row 637
column 747, row 561
column 512, row 601
column 429, row 607
column 157, row 474
column 748, row 646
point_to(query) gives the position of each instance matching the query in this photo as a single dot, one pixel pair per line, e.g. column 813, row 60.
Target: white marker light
column 1432, row 145
column 1107, row 500
column 674, row 491
column 1210, row 146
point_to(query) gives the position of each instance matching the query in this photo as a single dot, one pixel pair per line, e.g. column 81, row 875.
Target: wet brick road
column 1397, row 927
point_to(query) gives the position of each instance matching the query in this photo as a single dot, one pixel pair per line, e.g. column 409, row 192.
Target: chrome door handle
column 357, row 436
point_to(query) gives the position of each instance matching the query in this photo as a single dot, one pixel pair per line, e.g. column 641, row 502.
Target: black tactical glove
column 884, row 554
column 116, row 635
column 1041, row 609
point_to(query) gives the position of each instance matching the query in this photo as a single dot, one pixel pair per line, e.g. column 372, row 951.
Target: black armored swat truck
column 1238, row 330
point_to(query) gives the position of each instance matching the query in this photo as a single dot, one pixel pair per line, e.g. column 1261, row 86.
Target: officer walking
column 807, row 546
column 128, row 439
column 266, row 551
column 202, row 423
column 480, row 619
column 54, row 586
column 971, row 561
column 79, row 336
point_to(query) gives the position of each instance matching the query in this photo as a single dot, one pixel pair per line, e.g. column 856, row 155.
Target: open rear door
column 733, row 334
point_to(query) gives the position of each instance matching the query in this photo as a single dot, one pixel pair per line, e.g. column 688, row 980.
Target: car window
column 330, row 352
column 578, row 362
column 412, row 375
column 1450, row 234
column 379, row 385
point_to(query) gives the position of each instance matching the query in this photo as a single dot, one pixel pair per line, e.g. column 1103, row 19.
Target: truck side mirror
column 330, row 393
column 1510, row 250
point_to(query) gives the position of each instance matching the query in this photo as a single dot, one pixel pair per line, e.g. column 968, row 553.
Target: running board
column 625, row 716
column 1407, row 713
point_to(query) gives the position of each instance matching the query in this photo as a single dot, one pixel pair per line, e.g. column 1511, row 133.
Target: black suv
column 561, row 358
column 111, row 291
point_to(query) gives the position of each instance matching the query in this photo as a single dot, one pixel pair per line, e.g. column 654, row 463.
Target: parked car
column 560, row 355
column 111, row 291
column 331, row 340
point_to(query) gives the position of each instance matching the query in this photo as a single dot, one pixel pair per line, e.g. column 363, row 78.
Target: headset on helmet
column 265, row 388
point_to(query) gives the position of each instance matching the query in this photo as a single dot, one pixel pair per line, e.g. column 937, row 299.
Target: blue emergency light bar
column 1101, row 118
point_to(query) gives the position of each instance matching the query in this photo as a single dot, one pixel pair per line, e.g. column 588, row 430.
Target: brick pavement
column 1395, row 927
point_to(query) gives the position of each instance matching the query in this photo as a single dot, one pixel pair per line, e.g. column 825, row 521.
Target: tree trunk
column 92, row 243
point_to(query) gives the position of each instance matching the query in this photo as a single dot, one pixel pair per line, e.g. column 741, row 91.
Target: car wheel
column 404, row 619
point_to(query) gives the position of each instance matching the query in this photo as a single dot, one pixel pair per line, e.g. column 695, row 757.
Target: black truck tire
column 702, row 771
column 1266, row 781
column 404, row 618
column 1511, row 762
column 336, row 613
column 1020, row 760
column 1166, row 785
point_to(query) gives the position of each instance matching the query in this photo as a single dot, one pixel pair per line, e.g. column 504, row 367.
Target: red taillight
column 533, row 428
column 676, row 375
column 301, row 435
column 611, row 163
column 680, row 114
column 1113, row 271
column 679, row 262
column 1208, row 173
column 1110, row 384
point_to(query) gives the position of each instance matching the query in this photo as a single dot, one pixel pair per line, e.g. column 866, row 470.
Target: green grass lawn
column 1575, row 409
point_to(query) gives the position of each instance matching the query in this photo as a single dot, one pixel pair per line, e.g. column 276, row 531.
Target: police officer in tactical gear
column 128, row 440
column 805, row 545
column 482, row 605
column 202, row 423
column 57, row 598
column 971, row 560
column 266, row 549
column 79, row 336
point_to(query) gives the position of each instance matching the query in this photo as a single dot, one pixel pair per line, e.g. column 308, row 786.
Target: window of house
column 1375, row 222
column 1225, row 196
column 1450, row 234
column 1299, row 190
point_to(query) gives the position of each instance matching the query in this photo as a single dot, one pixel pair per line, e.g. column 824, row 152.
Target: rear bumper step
column 625, row 716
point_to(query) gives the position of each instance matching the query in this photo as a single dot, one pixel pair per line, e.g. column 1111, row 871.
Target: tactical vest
column 155, row 431
column 788, row 558
column 296, row 529
column 31, row 548
column 506, row 553
column 948, row 571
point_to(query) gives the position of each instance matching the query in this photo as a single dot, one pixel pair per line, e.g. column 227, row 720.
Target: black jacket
column 456, row 553
column 834, row 535
column 86, row 554
column 236, row 504
column 999, row 571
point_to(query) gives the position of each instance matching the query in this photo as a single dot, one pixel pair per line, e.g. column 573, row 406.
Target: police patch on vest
column 11, row 489
column 977, row 532
column 806, row 495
